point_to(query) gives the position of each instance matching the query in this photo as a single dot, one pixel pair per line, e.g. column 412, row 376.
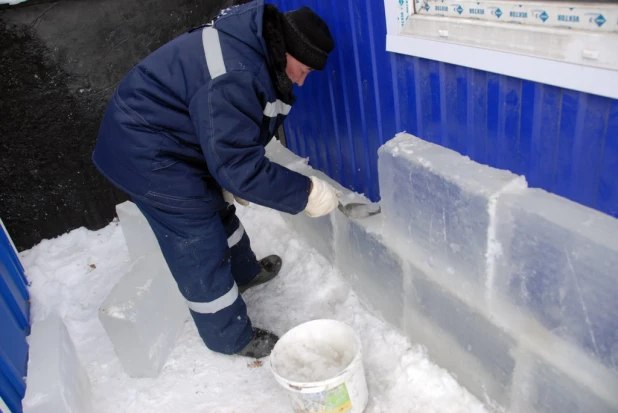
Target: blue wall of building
column 14, row 325
column 563, row 141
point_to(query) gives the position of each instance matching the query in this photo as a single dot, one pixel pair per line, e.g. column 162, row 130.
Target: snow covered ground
column 72, row 275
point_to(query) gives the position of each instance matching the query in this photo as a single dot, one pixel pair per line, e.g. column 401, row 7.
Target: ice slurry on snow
column 315, row 351
column 312, row 360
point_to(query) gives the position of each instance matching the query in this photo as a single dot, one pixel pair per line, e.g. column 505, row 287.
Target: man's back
column 155, row 135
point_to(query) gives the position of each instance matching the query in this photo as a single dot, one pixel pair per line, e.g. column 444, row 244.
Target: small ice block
column 143, row 316
column 56, row 380
column 136, row 230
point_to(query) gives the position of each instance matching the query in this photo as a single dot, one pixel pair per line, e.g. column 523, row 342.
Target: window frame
column 574, row 64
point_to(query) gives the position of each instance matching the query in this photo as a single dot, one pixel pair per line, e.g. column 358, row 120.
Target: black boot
column 271, row 266
column 260, row 345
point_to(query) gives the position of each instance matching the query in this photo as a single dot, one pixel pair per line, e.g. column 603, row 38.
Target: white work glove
column 322, row 199
column 229, row 198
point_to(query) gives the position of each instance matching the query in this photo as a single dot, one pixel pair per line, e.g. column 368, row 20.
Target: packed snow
column 72, row 274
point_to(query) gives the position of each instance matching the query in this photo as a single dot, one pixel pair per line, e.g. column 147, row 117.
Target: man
column 184, row 135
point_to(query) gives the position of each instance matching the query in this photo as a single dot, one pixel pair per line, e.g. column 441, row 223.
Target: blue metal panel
column 607, row 194
column 563, row 141
column 14, row 326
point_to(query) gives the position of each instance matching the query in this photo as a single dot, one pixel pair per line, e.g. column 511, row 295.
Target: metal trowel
column 358, row 211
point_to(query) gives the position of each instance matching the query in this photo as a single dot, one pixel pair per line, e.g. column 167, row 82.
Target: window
column 566, row 44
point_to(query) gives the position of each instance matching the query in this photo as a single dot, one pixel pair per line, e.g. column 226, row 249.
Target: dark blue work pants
column 209, row 255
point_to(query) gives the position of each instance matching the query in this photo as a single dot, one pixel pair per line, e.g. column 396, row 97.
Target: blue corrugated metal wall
column 14, row 325
column 563, row 141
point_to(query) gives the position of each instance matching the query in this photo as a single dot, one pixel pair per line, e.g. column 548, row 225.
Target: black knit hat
column 307, row 37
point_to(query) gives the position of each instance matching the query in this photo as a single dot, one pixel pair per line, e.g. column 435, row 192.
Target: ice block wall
column 512, row 289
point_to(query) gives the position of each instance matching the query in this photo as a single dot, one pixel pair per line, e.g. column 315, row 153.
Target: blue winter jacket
column 195, row 116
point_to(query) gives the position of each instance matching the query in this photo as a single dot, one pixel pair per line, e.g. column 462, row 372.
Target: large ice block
column 143, row 316
column 441, row 202
column 372, row 269
column 356, row 247
column 460, row 338
column 545, row 389
column 56, row 380
column 318, row 232
column 559, row 262
column 137, row 232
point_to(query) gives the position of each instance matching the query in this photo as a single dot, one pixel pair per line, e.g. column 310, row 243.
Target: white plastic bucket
column 320, row 364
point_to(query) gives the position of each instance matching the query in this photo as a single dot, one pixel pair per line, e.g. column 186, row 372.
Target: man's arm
column 227, row 115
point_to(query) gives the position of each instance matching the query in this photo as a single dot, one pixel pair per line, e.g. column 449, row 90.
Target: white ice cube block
column 56, row 381
column 318, row 232
column 559, row 262
column 463, row 339
column 441, row 202
column 143, row 316
column 371, row 268
column 545, row 389
column 137, row 232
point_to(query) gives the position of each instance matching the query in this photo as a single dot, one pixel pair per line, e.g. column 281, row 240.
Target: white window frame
column 580, row 60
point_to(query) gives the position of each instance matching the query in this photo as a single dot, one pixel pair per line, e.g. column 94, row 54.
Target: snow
column 72, row 275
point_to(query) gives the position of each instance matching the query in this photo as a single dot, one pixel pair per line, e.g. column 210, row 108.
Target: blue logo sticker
column 544, row 16
column 401, row 2
column 459, row 9
column 498, row 13
column 427, row 7
column 600, row 21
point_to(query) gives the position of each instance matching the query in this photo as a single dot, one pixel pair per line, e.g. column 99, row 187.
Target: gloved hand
column 322, row 199
column 229, row 198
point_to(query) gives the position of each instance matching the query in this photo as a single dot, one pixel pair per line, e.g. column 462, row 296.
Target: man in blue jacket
column 184, row 135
